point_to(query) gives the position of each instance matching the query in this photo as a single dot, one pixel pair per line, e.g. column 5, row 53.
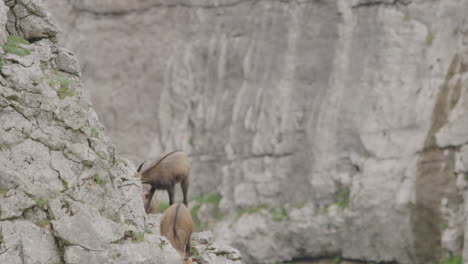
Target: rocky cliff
column 330, row 128
column 65, row 195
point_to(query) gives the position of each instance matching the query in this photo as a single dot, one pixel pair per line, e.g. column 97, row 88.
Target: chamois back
column 177, row 226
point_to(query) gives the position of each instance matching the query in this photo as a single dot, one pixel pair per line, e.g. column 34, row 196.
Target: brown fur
column 153, row 205
column 177, row 226
column 164, row 174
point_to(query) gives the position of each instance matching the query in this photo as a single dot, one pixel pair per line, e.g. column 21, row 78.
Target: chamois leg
column 187, row 247
column 150, row 198
column 170, row 192
column 184, row 185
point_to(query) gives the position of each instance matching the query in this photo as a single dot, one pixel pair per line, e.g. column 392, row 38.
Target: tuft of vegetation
column 196, row 256
column 456, row 31
column 162, row 243
column 336, row 260
column 100, row 155
column 137, row 237
column 251, row 210
column 43, row 65
column 97, row 179
column 279, row 214
column 12, row 46
column 64, row 183
column 62, row 84
column 465, row 176
column 452, row 260
column 41, row 203
column 342, row 196
column 1, row 238
column 94, row 132
column 148, row 231
column 42, row 223
column 215, row 199
column 2, row 62
column 430, row 38
column 162, row 206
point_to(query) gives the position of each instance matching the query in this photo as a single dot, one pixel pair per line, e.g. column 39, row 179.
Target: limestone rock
column 14, row 205
column 348, row 114
column 66, row 196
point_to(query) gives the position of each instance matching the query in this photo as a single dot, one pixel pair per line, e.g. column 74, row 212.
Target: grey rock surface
column 348, row 114
column 65, row 195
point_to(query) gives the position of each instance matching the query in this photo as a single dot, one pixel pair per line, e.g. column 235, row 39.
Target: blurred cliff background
column 316, row 128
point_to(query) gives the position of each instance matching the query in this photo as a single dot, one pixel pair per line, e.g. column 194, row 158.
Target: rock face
column 337, row 126
column 65, row 196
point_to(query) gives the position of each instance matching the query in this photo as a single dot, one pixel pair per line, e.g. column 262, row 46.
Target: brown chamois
column 177, row 226
column 164, row 174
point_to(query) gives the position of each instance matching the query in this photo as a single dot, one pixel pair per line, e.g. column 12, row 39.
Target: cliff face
column 329, row 127
column 65, row 195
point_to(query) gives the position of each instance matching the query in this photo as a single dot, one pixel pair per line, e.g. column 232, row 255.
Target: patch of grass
column 64, row 183
column 41, row 203
column 64, row 92
column 61, row 252
column 148, row 231
column 456, row 31
column 336, row 260
column 94, row 132
column 97, row 179
column 12, row 46
column 213, row 198
column 137, row 237
column 43, row 65
column 279, row 214
column 62, row 84
column 251, row 210
column 465, row 176
column 430, row 38
column 100, row 155
column 342, row 196
column 162, row 206
column 452, row 260
column 42, row 223
column 190, row 141
column 2, row 62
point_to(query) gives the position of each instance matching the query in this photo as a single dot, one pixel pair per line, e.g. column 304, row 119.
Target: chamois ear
column 139, row 167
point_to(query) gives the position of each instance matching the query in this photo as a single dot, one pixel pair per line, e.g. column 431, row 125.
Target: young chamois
column 177, row 226
column 164, row 174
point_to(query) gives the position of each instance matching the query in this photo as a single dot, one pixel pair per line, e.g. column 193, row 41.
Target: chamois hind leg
column 187, row 247
column 184, row 185
column 170, row 193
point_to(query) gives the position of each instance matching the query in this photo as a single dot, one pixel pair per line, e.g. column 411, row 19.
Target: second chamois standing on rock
column 164, row 174
column 177, row 226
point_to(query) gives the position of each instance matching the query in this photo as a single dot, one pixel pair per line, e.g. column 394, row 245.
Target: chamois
column 177, row 226
column 164, row 174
